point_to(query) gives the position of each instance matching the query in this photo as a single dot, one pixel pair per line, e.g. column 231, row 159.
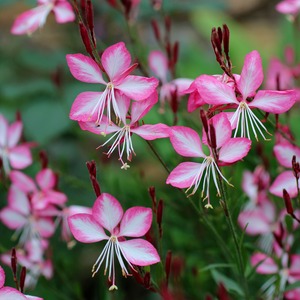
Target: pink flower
column 35, row 18
column 11, row 154
column 289, row 7
column 122, row 133
column 116, row 60
column 245, row 98
column 43, row 193
column 186, row 142
column 284, row 153
column 107, row 214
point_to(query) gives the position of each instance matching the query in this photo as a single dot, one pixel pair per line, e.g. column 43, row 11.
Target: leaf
column 215, row 266
column 293, row 286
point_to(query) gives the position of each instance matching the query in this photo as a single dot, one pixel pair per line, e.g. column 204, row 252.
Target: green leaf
column 293, row 286
column 215, row 266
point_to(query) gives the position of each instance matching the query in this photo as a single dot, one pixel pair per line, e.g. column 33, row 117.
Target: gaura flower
column 116, row 60
column 186, row 142
column 122, row 132
column 289, row 7
column 107, row 214
column 245, row 98
column 35, row 18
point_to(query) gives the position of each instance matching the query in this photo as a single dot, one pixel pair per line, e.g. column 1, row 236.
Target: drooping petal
column 141, row 108
column 115, row 60
column 20, row 157
column 186, row 141
column 18, row 200
column 158, row 63
column 3, row 131
column 83, row 107
column 12, row 219
column 63, row 12
column 267, row 264
column 285, row 180
column 14, row 134
column 276, row 102
column 86, row 229
column 252, row 75
column 139, row 252
column 8, row 293
column 234, row 150
column 137, row 87
column 103, row 128
column 136, row 221
column 22, row 181
column 84, row 68
column 214, row 92
column 285, row 152
column 184, row 174
column 152, row 132
column 46, row 179
column 107, row 211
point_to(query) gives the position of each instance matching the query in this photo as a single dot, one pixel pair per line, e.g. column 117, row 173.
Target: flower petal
column 285, row 180
column 102, row 129
column 276, row 102
column 136, row 221
column 186, row 141
column 115, row 60
column 22, row 181
column 12, row 219
column 20, row 157
column 107, row 211
column 63, row 12
column 2, row 277
column 139, row 252
column 267, row 266
column 285, row 152
column 84, row 68
column 83, row 107
column 8, row 293
column 14, row 134
column 18, row 200
column 86, row 229
column 3, row 131
column 158, row 64
column 152, row 132
column 252, row 75
column 45, row 227
column 46, row 179
column 234, row 150
column 184, row 174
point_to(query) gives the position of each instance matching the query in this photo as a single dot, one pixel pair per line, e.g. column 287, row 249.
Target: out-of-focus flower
column 289, row 7
column 107, row 214
column 116, row 60
column 35, row 18
column 11, row 154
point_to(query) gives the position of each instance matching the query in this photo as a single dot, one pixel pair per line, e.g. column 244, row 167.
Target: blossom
column 107, row 214
column 35, row 18
column 11, row 154
column 122, row 133
column 289, row 7
column 245, row 98
column 186, row 142
column 116, row 60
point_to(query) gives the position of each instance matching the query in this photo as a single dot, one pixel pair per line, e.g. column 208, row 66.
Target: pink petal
column 267, row 266
column 18, row 200
column 214, row 92
column 22, row 181
column 3, row 131
column 115, row 60
column 20, row 157
column 285, row 152
column 141, row 108
column 103, row 128
column 63, row 12
column 85, row 229
column 83, row 107
column 45, row 227
column 256, row 222
column 2, row 277
column 184, row 174
column 251, row 76
column 33, row 297
column 288, row 7
column 46, row 179
column 276, row 102
column 194, row 101
column 136, row 222
column 139, row 252
column 14, row 134
column 186, row 141
column 158, row 64
column 234, row 150
column 182, row 84
column 12, row 219
column 123, row 103
column 286, row 180
column 30, row 20
column 84, row 68
column 152, row 132
column 8, row 293
column 107, row 211
column 137, row 87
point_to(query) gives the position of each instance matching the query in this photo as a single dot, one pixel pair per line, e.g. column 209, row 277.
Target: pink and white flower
column 107, row 214
column 245, row 98
column 35, row 18
column 13, row 155
column 289, row 7
column 116, row 60
column 186, row 142
column 122, row 133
